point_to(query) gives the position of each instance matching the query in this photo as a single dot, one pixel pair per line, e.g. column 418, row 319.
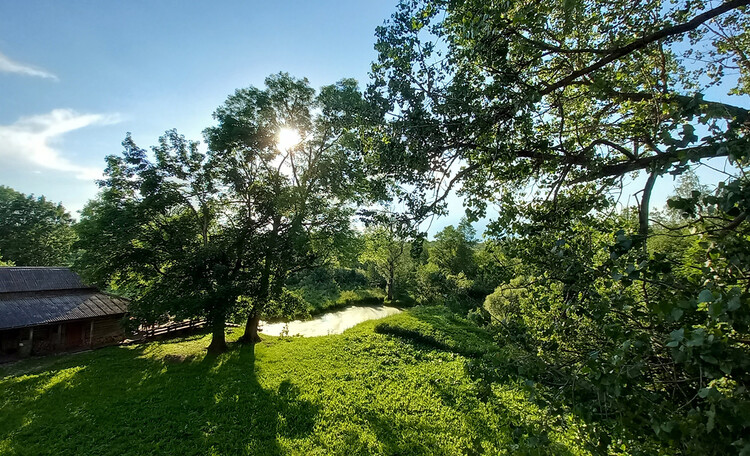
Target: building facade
column 46, row 310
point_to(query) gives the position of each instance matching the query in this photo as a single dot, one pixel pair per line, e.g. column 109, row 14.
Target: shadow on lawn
column 126, row 401
column 445, row 332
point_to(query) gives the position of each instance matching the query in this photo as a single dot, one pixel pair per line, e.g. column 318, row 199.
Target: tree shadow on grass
column 125, row 401
column 523, row 432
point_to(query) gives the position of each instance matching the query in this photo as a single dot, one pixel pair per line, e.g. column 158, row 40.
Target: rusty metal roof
column 38, row 296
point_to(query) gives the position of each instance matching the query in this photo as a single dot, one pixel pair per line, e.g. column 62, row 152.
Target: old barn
column 45, row 310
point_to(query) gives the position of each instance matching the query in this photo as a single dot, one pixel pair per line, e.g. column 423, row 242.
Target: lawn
column 401, row 385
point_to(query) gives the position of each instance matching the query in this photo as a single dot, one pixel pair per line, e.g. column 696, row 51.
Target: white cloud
column 29, row 140
column 11, row 66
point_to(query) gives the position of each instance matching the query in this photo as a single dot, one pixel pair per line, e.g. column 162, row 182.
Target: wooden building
column 45, row 310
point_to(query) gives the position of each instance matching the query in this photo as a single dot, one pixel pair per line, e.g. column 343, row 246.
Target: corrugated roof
column 29, row 279
column 31, row 296
column 19, row 310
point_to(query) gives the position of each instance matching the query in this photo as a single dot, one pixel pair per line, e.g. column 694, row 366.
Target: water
column 330, row 323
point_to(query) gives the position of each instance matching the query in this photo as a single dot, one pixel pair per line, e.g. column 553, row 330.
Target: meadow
column 407, row 384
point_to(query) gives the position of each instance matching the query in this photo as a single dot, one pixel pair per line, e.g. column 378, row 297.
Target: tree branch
column 645, row 41
column 676, row 155
column 730, row 111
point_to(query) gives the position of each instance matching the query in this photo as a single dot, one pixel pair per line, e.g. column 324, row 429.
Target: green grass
column 402, row 385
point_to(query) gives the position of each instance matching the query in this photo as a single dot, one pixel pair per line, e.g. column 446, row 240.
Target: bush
column 437, row 286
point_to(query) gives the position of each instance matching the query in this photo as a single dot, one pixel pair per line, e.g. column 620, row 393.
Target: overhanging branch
column 645, row 41
column 669, row 157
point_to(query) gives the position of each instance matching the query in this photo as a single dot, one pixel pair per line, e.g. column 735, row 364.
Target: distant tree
column 687, row 183
column 453, row 249
column 387, row 248
column 34, row 231
column 447, row 276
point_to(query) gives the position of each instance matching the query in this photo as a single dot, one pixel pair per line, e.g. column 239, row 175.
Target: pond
column 330, row 323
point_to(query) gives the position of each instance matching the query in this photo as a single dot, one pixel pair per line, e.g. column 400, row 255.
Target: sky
column 76, row 76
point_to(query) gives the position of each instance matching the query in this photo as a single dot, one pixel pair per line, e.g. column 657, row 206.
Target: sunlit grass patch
column 361, row 392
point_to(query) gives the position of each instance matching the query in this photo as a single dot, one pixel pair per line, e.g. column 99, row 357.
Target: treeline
column 368, row 265
column 34, row 231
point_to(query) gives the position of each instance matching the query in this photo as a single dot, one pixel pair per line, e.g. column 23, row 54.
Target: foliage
column 614, row 330
column 34, row 231
column 215, row 235
column 493, row 97
column 4, row 262
column 529, row 106
column 387, row 248
column 504, row 304
column 453, row 249
column 162, row 232
column 492, row 267
column 437, row 286
column 325, row 288
column 650, row 340
column 686, row 184
column 447, row 277
column 287, row 304
column 296, row 198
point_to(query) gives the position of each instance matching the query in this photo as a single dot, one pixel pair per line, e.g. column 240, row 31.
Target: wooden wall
column 65, row 336
column 107, row 331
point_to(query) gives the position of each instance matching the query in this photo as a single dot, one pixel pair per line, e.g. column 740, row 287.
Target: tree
column 162, row 232
column 453, row 249
column 387, row 247
column 687, row 183
column 215, row 235
column 494, row 97
column 447, row 276
column 34, row 231
column 545, row 109
column 296, row 194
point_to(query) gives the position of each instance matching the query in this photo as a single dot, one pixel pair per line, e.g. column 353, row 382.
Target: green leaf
column 710, row 423
column 705, row 296
column 677, row 334
column 709, row 359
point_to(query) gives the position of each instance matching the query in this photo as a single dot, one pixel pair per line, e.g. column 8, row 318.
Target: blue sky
column 75, row 76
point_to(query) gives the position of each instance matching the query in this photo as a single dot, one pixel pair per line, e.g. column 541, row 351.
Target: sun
column 288, row 138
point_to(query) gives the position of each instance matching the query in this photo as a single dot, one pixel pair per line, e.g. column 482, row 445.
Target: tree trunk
column 218, row 338
column 389, row 286
column 643, row 210
column 251, row 329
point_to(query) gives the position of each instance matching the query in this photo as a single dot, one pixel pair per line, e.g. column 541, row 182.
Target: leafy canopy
column 34, row 231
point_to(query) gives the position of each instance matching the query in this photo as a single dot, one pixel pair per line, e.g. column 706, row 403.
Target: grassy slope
column 395, row 386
